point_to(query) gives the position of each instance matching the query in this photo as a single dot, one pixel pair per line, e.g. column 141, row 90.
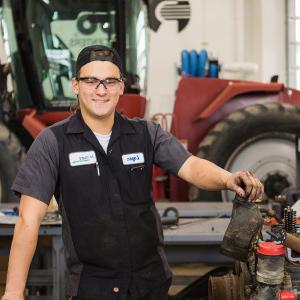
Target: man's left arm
column 208, row 176
column 170, row 155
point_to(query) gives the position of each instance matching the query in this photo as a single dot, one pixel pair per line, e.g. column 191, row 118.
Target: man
column 98, row 164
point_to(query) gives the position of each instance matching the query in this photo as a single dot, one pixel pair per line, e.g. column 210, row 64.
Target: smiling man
column 98, row 164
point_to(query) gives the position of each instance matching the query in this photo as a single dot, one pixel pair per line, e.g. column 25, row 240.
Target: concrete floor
column 184, row 274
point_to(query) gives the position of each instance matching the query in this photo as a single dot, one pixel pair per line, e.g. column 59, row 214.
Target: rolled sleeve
column 169, row 153
column 38, row 174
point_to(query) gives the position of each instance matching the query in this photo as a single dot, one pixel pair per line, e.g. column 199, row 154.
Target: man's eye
column 90, row 80
column 110, row 81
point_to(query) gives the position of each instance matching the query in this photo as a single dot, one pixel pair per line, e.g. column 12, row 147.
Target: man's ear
column 75, row 86
column 122, row 88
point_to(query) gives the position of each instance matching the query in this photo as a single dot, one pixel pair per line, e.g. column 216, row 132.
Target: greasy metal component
column 270, row 269
column 293, row 270
column 248, row 277
column 168, row 221
column 245, row 225
column 227, row 287
column 280, row 198
column 277, row 233
column 289, row 196
column 242, row 269
column 268, row 292
column 275, row 183
column 271, row 213
column 290, row 220
column 287, row 280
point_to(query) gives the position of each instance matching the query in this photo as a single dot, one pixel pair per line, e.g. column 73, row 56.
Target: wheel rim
column 272, row 157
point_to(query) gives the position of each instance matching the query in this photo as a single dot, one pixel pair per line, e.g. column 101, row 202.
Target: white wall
column 234, row 31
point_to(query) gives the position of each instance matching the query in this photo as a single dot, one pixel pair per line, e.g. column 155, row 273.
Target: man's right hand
column 13, row 296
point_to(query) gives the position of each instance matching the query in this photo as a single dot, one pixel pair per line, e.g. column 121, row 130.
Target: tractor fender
column 235, row 89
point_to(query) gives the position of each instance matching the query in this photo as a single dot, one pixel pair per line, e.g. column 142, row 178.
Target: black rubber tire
column 11, row 156
column 250, row 123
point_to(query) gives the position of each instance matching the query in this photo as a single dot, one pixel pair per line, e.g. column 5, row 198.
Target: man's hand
column 246, row 185
column 13, row 296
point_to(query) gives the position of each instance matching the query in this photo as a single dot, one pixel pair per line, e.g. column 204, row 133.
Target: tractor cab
column 42, row 39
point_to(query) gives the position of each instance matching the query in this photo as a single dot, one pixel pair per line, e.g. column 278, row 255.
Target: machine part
column 292, row 269
column 287, row 295
column 289, row 196
column 227, row 287
column 11, row 155
column 268, row 292
column 292, row 256
column 278, row 233
column 271, row 213
column 199, row 287
column 169, row 221
column 245, row 225
column 170, row 216
column 270, row 264
column 259, row 138
column 287, row 234
column 279, row 236
column 171, row 212
column 287, row 281
column 290, row 220
column 242, row 268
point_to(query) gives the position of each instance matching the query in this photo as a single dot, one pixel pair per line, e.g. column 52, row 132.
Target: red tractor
column 238, row 125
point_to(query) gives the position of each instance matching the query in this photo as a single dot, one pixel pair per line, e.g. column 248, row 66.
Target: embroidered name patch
column 133, row 158
column 82, row 158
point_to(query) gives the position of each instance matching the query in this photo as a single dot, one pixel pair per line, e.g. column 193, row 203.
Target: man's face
column 98, row 101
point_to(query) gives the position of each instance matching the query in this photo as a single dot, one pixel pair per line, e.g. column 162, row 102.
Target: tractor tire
column 11, row 156
column 259, row 138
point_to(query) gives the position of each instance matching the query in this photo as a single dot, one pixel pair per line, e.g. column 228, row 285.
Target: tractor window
column 136, row 41
column 58, row 30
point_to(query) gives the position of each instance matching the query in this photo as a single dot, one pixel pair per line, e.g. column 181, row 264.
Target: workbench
column 196, row 239
column 53, row 276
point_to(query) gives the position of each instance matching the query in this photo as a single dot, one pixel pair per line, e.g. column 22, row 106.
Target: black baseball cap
column 98, row 52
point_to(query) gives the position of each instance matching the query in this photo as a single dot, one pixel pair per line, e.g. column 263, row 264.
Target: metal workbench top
column 197, row 231
column 197, row 209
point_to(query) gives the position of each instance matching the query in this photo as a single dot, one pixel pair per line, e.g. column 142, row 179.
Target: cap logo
column 98, row 52
column 102, row 53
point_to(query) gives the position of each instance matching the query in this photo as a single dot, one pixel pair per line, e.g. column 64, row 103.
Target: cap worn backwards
column 98, row 52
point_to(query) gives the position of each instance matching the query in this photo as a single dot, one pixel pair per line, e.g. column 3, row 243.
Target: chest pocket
column 81, row 186
column 139, row 179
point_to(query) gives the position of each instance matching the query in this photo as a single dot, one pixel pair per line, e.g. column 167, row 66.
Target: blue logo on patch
column 133, row 158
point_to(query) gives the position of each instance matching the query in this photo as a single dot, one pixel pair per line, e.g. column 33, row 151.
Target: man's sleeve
column 38, row 174
column 169, row 153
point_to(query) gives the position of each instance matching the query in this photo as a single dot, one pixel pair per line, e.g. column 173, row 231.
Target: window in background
column 137, row 42
column 294, row 43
